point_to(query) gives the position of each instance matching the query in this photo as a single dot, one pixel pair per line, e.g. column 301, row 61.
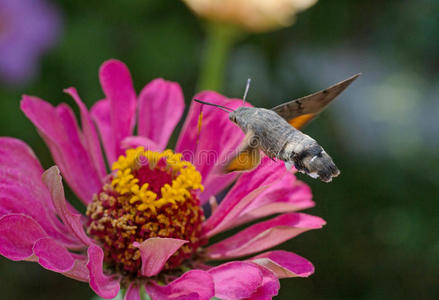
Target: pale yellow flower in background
column 253, row 15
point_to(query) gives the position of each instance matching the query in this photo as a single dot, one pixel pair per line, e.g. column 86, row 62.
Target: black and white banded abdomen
column 308, row 157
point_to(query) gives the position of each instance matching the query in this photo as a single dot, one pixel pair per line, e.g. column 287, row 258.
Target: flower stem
column 220, row 40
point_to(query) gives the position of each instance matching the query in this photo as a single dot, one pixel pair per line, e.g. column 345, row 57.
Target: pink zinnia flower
column 145, row 225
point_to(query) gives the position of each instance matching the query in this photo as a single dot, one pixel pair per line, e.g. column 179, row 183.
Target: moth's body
column 278, row 139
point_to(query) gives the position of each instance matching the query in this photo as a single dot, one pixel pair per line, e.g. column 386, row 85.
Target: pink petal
column 53, row 180
column 155, row 252
column 101, row 115
column 20, row 165
column 22, row 190
column 103, row 285
column 79, row 271
column 267, row 190
column 18, row 199
column 59, row 129
column 18, row 234
column 283, row 196
column 118, row 88
column 82, row 156
column 236, row 280
column 16, row 153
column 161, row 105
column 247, row 188
column 133, row 292
column 21, row 238
column 195, row 284
column 90, row 134
column 269, row 287
column 284, row 264
column 15, row 199
column 264, row 235
column 136, row 141
column 52, row 255
column 229, row 213
column 219, row 138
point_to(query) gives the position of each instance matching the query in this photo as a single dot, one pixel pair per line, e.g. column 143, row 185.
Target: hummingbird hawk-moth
column 277, row 133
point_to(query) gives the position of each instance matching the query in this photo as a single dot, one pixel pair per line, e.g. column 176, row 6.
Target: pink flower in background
column 27, row 29
column 145, row 225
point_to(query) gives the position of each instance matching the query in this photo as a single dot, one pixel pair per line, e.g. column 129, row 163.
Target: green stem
column 220, row 40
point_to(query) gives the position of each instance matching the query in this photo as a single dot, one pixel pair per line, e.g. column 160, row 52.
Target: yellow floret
column 186, row 178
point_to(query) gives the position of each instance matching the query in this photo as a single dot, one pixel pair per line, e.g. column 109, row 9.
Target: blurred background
column 381, row 240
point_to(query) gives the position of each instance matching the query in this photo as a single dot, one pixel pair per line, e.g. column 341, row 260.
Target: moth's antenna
column 247, row 87
column 224, row 108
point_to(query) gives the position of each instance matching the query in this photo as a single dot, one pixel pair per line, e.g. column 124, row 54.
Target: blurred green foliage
column 381, row 240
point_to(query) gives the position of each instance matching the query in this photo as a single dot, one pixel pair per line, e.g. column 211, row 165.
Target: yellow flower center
column 149, row 194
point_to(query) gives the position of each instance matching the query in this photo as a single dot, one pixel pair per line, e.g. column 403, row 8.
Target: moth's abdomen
column 320, row 166
column 310, row 158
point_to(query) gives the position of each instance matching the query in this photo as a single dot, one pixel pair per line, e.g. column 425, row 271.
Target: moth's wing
column 248, row 157
column 301, row 111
